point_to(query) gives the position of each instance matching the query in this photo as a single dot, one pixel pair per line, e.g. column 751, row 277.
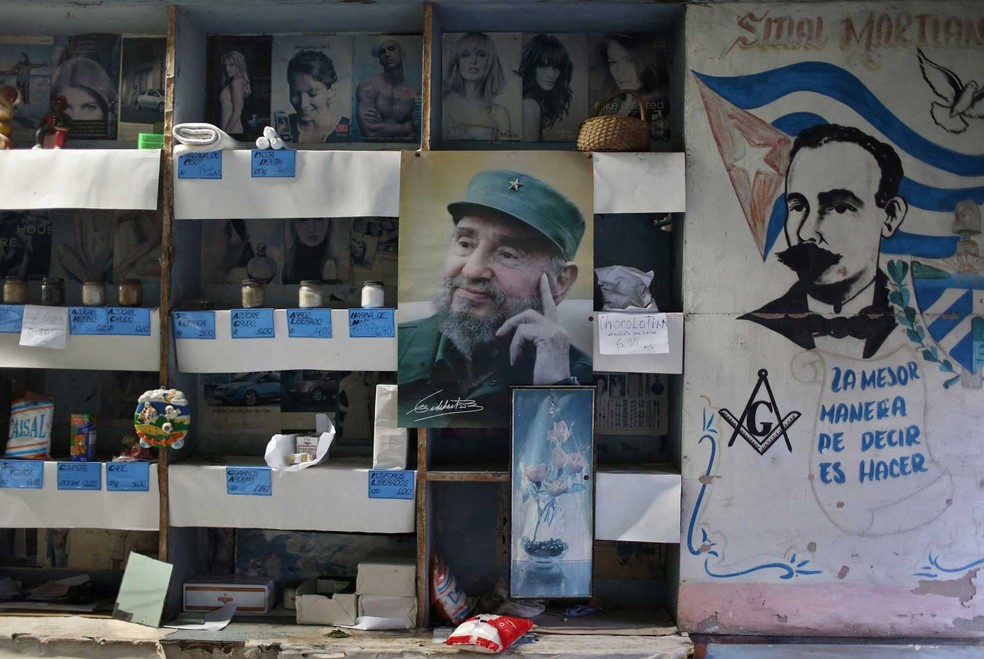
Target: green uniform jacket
column 430, row 393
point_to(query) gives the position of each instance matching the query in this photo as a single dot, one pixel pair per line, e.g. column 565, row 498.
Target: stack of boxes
column 387, row 585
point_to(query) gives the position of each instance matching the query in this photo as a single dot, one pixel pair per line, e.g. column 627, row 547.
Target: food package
column 489, row 633
column 389, row 442
column 83, row 433
column 29, row 437
column 449, row 600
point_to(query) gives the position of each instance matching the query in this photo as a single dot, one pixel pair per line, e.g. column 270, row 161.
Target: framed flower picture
column 552, row 489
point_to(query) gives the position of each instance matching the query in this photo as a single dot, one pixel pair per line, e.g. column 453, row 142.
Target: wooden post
column 423, row 546
column 425, row 87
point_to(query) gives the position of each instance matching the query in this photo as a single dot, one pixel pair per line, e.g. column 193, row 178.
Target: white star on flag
column 515, row 185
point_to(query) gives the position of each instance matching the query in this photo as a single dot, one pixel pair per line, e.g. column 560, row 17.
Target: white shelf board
column 327, row 497
column 637, row 506
column 328, row 184
column 50, row 507
column 671, row 362
column 99, row 353
column 109, row 179
column 281, row 353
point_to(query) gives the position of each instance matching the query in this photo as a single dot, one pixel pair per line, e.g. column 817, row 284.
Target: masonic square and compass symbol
column 761, row 429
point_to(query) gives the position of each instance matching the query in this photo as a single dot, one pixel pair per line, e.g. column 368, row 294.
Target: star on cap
column 515, row 185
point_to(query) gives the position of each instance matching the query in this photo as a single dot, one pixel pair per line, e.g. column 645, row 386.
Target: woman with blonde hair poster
column 475, row 81
column 235, row 88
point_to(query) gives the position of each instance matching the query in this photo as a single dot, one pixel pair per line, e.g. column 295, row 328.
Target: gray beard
column 465, row 331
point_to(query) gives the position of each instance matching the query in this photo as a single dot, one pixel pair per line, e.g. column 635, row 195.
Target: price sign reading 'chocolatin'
column 251, row 323
column 205, row 165
column 309, row 323
column 79, row 475
column 274, row 163
column 249, row 480
column 633, row 334
column 88, row 321
column 22, row 474
column 127, row 476
column 371, row 323
column 11, row 316
column 128, row 321
column 194, row 324
column 385, row 484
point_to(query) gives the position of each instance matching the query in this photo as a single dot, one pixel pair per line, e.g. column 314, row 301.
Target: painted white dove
column 959, row 100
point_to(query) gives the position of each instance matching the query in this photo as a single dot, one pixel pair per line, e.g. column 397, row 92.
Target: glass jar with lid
column 130, row 293
column 52, row 291
column 309, row 294
column 372, row 294
column 14, row 290
column 93, row 294
column 252, row 293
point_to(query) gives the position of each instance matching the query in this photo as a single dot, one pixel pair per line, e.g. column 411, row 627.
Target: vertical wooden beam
column 425, row 89
column 167, row 261
column 423, row 545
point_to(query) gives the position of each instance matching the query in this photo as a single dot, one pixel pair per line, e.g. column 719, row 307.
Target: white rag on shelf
column 281, row 447
column 196, row 138
column 625, row 289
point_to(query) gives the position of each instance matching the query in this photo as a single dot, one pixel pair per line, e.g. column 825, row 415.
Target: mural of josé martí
column 833, row 443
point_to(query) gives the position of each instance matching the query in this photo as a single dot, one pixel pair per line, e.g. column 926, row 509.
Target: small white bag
column 389, row 443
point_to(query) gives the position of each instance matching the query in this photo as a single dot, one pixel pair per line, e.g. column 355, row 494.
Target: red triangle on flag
column 755, row 155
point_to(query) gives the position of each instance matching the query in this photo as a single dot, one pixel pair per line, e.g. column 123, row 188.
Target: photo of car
column 150, row 99
column 249, row 389
column 314, row 386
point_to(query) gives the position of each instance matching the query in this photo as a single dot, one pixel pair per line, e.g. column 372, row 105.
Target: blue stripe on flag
column 963, row 352
column 914, row 244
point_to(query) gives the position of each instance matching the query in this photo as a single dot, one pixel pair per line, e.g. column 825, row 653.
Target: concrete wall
column 832, row 442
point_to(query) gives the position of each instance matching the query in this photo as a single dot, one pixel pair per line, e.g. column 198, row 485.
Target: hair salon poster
column 86, row 76
column 832, row 446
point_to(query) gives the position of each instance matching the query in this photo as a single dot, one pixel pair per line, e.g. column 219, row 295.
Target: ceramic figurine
column 162, row 418
column 10, row 98
column 54, row 124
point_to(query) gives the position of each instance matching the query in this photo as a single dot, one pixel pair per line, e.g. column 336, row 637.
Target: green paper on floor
column 143, row 591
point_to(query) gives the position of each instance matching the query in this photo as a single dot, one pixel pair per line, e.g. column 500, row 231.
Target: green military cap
column 529, row 200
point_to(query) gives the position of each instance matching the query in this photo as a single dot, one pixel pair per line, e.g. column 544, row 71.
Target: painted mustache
column 808, row 260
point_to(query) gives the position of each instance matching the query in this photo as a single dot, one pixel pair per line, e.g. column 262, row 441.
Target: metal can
column 14, row 290
column 309, row 294
column 252, row 293
column 372, row 294
column 130, row 293
column 52, row 291
column 93, row 294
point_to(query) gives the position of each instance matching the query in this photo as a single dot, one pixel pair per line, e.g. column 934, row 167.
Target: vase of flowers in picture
column 554, row 487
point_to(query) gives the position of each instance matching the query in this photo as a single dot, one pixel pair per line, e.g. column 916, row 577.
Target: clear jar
column 252, row 293
column 93, row 294
column 309, row 294
column 372, row 294
column 14, row 290
column 130, row 293
column 52, row 291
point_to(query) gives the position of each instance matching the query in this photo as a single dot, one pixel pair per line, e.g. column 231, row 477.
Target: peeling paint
column 840, row 504
column 975, row 624
column 709, row 624
column 843, row 572
column 811, row 546
column 781, row 618
column 962, row 588
column 707, row 480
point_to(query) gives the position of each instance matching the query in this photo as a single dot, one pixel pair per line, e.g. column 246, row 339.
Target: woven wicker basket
column 612, row 132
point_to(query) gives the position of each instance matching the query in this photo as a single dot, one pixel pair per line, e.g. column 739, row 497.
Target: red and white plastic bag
column 489, row 633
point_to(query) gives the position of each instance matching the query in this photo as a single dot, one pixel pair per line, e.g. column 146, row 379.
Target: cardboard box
column 208, row 593
column 315, row 608
column 403, row 609
column 387, row 572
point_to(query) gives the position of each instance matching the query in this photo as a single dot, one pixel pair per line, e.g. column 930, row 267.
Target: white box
column 402, row 609
column 387, row 572
column 314, row 608
column 209, row 593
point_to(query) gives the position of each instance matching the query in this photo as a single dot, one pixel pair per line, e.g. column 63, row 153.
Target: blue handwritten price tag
column 88, row 321
column 309, row 323
column 251, row 323
column 206, row 165
column 128, row 321
column 384, row 484
column 364, row 323
column 249, row 480
column 22, row 474
column 127, row 476
column 11, row 316
column 274, row 163
column 194, row 324
column 79, row 475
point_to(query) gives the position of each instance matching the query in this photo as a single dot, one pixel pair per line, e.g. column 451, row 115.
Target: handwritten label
column 205, row 165
column 274, row 163
column 194, row 324
column 88, row 321
column 384, row 484
column 633, row 334
column 309, row 323
column 22, row 474
column 127, row 476
column 251, row 323
column 249, row 480
column 44, row 327
column 365, row 323
column 79, row 475
column 11, row 316
column 129, row 321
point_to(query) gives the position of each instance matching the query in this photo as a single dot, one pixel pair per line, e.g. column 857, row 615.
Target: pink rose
column 560, row 433
column 555, row 487
column 558, row 458
column 576, row 463
column 536, row 473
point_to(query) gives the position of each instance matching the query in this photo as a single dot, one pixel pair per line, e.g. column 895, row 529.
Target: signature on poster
column 444, row 407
